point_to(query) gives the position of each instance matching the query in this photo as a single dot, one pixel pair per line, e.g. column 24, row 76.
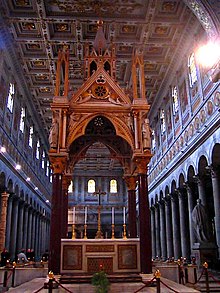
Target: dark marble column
column 157, row 230
column 25, row 233
column 132, row 220
column 8, row 224
column 20, row 225
column 169, row 234
column 144, row 216
column 163, row 230
column 56, row 224
column 190, row 209
column 14, row 225
column 153, row 229
column 176, row 227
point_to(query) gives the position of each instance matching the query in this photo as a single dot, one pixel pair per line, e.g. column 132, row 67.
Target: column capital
column 58, row 163
column 142, row 162
column 5, row 194
column 212, row 170
column 130, row 182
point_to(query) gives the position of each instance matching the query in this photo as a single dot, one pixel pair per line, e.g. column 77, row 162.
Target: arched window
column 153, row 140
column 38, row 150
column 48, row 168
column 91, row 186
column 31, row 136
column 113, row 186
column 162, row 121
column 43, row 160
column 22, row 120
column 175, row 100
column 10, row 100
column 192, row 70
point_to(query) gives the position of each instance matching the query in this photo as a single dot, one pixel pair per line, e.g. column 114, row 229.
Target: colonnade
column 25, row 226
column 171, row 221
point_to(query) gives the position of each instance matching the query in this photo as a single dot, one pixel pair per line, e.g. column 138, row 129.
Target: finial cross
column 99, row 193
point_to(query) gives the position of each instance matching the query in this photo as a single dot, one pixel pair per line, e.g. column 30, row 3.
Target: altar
column 88, row 255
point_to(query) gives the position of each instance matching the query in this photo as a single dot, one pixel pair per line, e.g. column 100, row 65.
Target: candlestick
column 74, row 215
column 73, row 232
column 124, row 214
column 113, row 219
column 113, row 231
column 85, row 233
column 85, row 215
column 124, row 232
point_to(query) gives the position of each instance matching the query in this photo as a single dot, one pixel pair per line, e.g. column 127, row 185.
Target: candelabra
column 113, row 231
column 99, row 232
column 73, row 232
column 85, row 235
column 124, row 231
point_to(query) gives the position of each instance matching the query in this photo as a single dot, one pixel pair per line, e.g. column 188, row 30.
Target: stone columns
column 201, row 189
column 20, row 225
column 14, row 226
column 153, row 229
column 163, row 231
column 190, row 208
column 216, row 193
column 8, row 224
column 144, row 216
column 30, row 216
column 25, row 233
column 184, row 232
column 175, row 224
column 131, row 186
column 157, row 228
column 58, row 165
column 3, row 217
column 169, row 233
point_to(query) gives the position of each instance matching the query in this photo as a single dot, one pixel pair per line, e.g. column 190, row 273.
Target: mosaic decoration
column 72, row 257
column 94, row 264
column 127, row 256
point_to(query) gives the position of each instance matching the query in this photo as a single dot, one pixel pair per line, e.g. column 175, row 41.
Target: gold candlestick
column 73, row 232
column 85, row 236
column 99, row 234
column 124, row 231
column 113, row 231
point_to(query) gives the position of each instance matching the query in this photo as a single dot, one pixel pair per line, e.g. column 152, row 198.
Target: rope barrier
column 39, row 290
column 63, row 286
column 168, row 287
column 216, row 280
column 146, row 284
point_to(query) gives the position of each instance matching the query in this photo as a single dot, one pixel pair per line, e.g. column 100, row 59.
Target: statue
column 146, row 132
column 201, row 223
column 53, row 136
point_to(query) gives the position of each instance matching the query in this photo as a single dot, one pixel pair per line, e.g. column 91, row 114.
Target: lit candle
column 85, row 215
column 113, row 220
column 124, row 214
column 74, row 215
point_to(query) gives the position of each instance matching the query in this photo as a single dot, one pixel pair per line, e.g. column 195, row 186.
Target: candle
column 113, row 220
column 85, row 215
column 74, row 215
column 124, row 214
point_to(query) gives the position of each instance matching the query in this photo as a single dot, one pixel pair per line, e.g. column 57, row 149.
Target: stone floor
column 36, row 284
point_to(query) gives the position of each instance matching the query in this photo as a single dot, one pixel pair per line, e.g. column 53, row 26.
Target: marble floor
column 34, row 285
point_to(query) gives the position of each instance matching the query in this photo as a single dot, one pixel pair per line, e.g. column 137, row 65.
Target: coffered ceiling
column 40, row 28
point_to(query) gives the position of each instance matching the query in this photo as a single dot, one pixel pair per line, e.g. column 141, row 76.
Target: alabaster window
column 162, row 121
column 91, row 186
column 22, row 120
column 31, row 133
column 175, row 100
column 192, row 70
column 38, row 150
column 48, row 168
column 70, row 188
column 113, row 186
column 43, row 160
column 153, row 140
column 10, row 100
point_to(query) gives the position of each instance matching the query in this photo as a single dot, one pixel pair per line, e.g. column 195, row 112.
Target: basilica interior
column 109, row 131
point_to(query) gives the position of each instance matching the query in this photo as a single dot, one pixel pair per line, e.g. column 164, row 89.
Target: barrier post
column 158, row 275
column 205, row 265
column 5, row 279
column 50, row 283
column 13, row 274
